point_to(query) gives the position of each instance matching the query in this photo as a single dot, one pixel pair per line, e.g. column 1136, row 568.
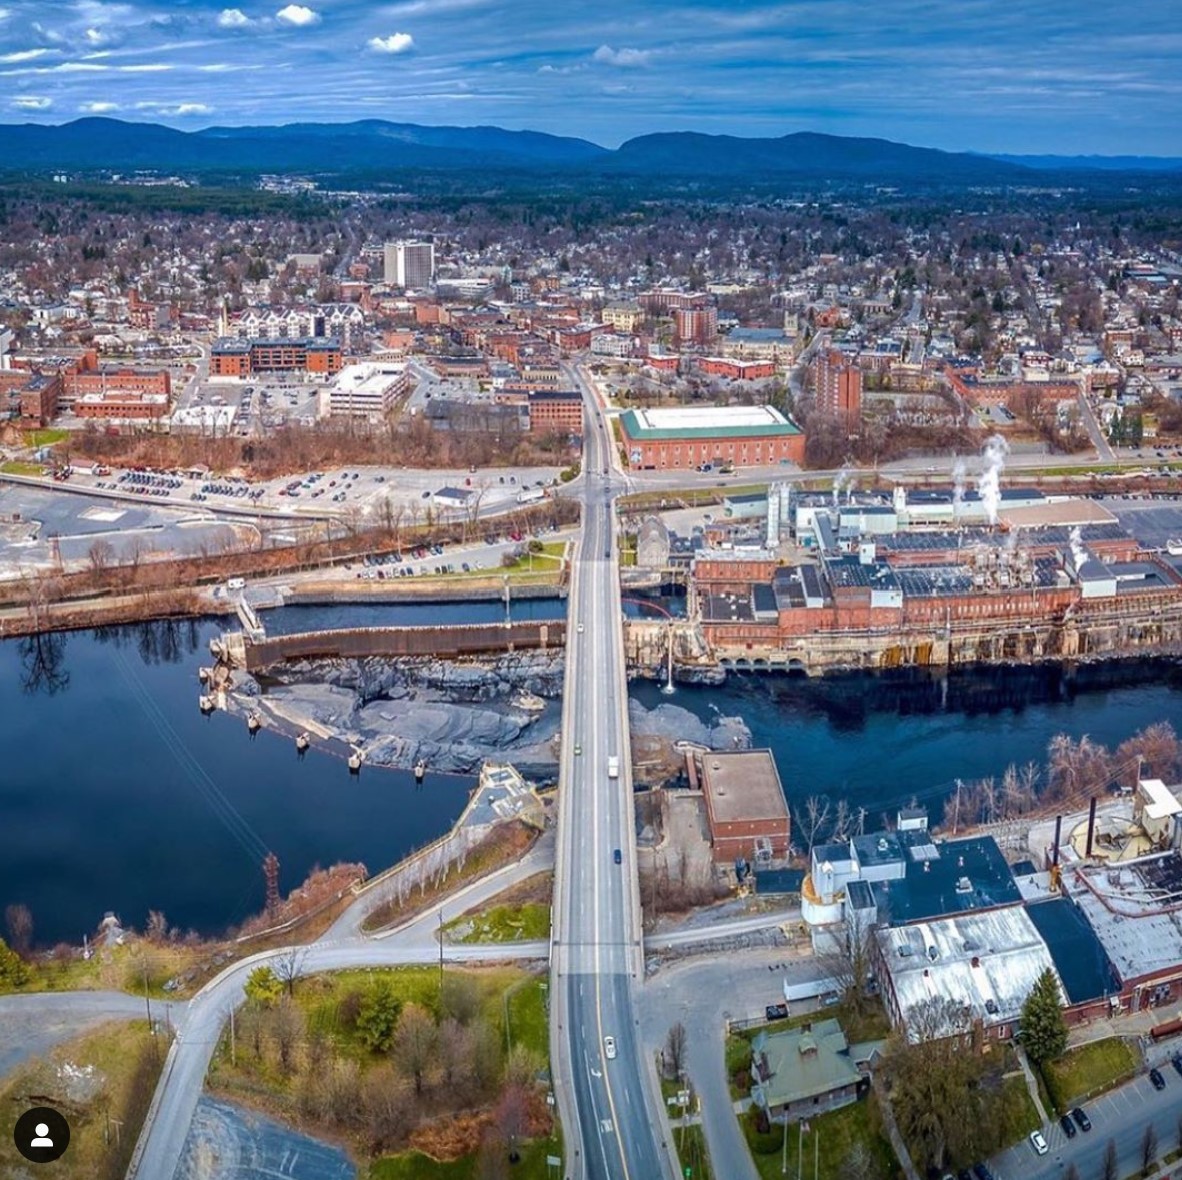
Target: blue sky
column 1060, row 76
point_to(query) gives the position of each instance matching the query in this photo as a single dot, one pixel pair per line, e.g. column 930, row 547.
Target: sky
column 1025, row 76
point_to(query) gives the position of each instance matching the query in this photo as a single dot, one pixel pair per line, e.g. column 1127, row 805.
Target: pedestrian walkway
column 892, row 1130
column 1031, row 1082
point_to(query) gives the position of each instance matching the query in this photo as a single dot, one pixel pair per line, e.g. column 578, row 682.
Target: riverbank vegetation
column 103, row 1082
column 450, row 1065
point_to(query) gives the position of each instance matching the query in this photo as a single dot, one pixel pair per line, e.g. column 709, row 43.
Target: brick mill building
column 746, row 436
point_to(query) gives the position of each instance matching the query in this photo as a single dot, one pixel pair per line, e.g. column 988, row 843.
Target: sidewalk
column 892, row 1130
column 1031, row 1082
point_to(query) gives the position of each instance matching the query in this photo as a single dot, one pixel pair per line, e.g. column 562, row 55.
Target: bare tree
column 101, row 554
column 288, row 966
column 415, row 1042
column 1110, row 1169
column 849, row 964
column 813, row 819
column 157, row 928
column 675, row 1046
column 286, row 1021
column 18, row 918
column 1148, row 1149
column 510, row 1118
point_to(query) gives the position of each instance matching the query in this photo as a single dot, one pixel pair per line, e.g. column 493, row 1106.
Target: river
column 116, row 794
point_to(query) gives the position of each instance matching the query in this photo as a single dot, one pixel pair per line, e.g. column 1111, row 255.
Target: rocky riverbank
column 454, row 715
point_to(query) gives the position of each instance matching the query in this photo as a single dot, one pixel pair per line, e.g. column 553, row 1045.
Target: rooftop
column 743, row 785
column 1078, row 955
column 805, row 1062
column 1135, row 909
column 724, row 421
column 988, row 960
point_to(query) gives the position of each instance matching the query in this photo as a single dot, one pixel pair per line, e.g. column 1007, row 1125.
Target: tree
column 289, row 966
column 860, row 1163
column 12, row 967
column 378, row 1017
column 287, row 1027
column 812, row 820
column 1148, row 1149
column 461, row 997
column 101, row 554
column 157, row 928
column 1111, row 1165
column 19, row 920
column 849, row 964
column 675, row 1050
column 263, row 986
column 415, row 1041
column 1043, row 1030
column 510, row 1118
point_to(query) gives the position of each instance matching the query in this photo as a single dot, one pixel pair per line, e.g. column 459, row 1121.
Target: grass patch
column 414, row 1165
column 1087, row 1070
column 45, row 437
column 529, row 1022
column 840, row 1132
column 126, row 1061
column 1016, row 1112
column 738, row 1064
column 16, row 467
column 503, row 923
column 692, row 1152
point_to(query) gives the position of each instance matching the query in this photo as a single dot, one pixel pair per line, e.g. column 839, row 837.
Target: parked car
column 1081, row 1120
column 776, row 1011
column 1155, row 1076
column 1067, row 1125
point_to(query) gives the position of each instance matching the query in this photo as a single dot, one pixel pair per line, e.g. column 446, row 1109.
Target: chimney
column 1058, row 836
column 1091, row 825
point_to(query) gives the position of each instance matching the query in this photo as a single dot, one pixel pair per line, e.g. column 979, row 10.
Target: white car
column 1038, row 1143
column 580, row 628
column 609, row 1049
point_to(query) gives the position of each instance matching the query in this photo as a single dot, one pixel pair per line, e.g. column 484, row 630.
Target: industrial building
column 744, row 436
column 555, row 411
column 746, row 810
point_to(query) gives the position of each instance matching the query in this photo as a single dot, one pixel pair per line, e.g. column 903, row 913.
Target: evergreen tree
column 263, row 986
column 1044, row 1032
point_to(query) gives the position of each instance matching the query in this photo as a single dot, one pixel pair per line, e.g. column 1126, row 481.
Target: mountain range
column 377, row 146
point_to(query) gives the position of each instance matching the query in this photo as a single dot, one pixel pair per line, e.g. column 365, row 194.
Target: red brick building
column 735, row 370
column 555, row 411
column 745, row 436
column 746, row 811
column 696, row 325
column 233, row 357
column 837, row 385
column 122, row 404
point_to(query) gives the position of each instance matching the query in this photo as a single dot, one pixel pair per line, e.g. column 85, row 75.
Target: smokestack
column 1058, row 837
column 1091, row 825
column 958, row 489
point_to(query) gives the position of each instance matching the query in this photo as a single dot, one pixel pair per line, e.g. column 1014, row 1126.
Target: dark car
column 617, row 857
column 1067, row 1125
column 1159, row 1083
column 982, row 1172
column 1081, row 1120
column 776, row 1011
column 1176, row 1062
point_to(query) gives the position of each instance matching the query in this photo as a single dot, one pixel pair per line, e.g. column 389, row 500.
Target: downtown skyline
column 979, row 77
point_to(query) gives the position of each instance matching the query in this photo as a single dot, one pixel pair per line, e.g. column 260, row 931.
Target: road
column 30, row 1025
column 608, row 1110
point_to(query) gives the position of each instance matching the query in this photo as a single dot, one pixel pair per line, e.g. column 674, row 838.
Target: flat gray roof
column 743, row 785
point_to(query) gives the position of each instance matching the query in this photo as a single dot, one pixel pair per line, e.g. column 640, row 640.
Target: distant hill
column 370, row 144
column 1095, row 163
column 374, row 145
column 805, row 154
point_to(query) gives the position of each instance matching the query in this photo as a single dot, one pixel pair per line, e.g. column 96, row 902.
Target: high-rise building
column 696, row 325
column 837, row 385
column 410, row 265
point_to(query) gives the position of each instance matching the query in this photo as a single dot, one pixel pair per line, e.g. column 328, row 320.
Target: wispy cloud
column 177, row 109
column 32, row 102
column 394, row 43
column 24, row 55
column 298, row 15
column 98, row 107
column 627, row 58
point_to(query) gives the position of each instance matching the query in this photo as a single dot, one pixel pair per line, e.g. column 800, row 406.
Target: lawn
column 1016, row 1111
column 1088, row 1070
column 693, row 1153
column 503, row 923
column 529, row 1023
column 738, row 1064
column 16, row 467
column 120, row 1063
column 828, row 1143
column 413, row 1165
column 45, row 438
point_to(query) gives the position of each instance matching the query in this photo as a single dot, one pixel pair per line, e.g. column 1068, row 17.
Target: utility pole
column 441, row 953
column 233, row 1042
column 147, row 999
column 956, row 814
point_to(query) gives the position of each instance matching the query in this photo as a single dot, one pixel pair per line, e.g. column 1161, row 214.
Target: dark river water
column 116, row 794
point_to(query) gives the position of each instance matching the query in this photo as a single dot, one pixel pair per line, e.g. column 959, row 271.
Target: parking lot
column 1120, row 1115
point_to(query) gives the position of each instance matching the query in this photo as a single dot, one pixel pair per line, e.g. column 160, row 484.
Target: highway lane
column 608, row 1110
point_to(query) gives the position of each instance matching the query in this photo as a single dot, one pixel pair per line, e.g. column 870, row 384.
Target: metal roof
column 710, row 421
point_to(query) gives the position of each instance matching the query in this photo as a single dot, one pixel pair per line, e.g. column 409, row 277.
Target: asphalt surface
column 1120, row 1115
column 30, row 1025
